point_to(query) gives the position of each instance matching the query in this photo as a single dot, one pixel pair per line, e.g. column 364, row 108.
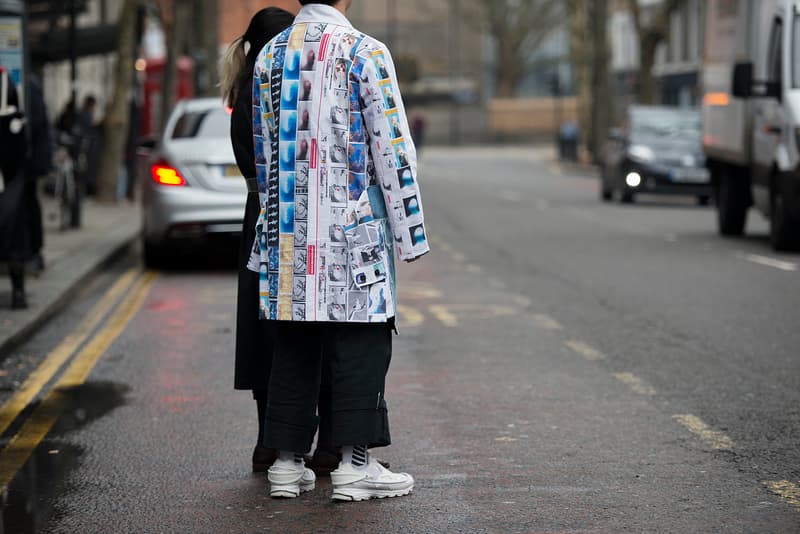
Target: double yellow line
column 133, row 286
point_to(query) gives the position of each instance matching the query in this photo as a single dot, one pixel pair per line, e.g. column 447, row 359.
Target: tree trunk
column 602, row 106
column 115, row 127
column 647, row 81
column 177, row 32
column 509, row 72
column 211, row 45
column 580, row 52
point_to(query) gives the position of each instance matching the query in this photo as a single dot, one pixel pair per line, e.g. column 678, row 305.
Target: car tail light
column 164, row 174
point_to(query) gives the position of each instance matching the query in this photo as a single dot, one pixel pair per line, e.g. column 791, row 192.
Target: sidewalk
column 70, row 257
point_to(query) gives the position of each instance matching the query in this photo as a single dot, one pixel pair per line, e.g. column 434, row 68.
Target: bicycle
column 64, row 184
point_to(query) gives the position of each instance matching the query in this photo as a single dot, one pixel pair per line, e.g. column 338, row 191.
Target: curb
column 105, row 257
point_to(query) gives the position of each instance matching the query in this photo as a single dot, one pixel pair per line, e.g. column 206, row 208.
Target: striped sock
column 287, row 456
column 356, row 455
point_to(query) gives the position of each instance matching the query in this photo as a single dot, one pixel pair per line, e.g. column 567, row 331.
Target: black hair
column 326, row 2
column 235, row 67
column 264, row 26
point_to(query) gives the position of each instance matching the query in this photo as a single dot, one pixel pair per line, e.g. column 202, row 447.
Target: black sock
column 261, row 406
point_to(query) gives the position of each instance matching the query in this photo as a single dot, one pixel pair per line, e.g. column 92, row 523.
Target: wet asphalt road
column 563, row 366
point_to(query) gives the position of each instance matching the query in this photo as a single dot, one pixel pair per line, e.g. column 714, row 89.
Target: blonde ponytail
column 230, row 68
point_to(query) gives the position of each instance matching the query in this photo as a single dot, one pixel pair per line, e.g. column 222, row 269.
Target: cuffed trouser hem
column 368, row 426
column 295, row 435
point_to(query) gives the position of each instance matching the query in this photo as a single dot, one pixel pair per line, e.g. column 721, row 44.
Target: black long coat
column 254, row 338
column 15, row 237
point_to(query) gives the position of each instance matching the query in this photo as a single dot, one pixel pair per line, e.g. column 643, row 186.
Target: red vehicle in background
column 151, row 121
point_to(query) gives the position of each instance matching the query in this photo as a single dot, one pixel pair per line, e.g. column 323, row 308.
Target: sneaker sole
column 290, row 491
column 355, row 494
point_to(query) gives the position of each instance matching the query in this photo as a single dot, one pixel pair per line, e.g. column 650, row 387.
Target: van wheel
column 784, row 231
column 732, row 204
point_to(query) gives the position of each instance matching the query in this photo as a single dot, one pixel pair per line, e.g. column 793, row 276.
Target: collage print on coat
column 326, row 103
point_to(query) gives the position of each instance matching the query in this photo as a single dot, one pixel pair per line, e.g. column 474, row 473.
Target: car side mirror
column 743, row 80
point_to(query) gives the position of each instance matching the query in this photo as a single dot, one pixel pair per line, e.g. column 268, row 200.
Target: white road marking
column 444, row 315
column 636, row 384
column 714, row 438
column 509, row 196
column 545, row 322
column 671, row 238
column 410, row 317
column 585, row 350
column 770, row 262
column 786, row 490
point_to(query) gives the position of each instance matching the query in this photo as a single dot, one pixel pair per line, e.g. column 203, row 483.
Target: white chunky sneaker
column 372, row 482
column 289, row 479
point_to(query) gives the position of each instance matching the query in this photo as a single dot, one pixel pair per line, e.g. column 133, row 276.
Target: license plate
column 690, row 176
column 231, row 171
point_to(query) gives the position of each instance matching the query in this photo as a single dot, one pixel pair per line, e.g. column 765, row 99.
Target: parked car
column 658, row 151
column 195, row 191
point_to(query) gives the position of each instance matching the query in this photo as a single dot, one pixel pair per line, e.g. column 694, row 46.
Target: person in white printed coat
column 337, row 175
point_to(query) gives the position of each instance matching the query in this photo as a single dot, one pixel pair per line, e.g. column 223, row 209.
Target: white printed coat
column 336, row 170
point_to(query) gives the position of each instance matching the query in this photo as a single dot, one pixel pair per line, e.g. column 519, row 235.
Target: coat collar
column 322, row 13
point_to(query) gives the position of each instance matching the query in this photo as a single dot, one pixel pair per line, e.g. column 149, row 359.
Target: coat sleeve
column 392, row 149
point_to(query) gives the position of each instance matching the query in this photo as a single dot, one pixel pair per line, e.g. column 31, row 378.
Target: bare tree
column 651, row 33
column 518, row 27
column 174, row 14
column 581, row 54
column 117, row 118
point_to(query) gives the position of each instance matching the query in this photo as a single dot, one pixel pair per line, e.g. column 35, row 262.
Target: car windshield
column 665, row 123
column 207, row 123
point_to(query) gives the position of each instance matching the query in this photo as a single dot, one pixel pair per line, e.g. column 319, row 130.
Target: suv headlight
column 641, row 153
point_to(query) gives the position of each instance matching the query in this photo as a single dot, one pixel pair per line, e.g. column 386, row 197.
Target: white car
column 194, row 190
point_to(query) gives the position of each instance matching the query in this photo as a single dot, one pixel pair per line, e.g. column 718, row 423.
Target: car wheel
column 154, row 256
column 703, row 200
column 732, row 204
column 784, row 231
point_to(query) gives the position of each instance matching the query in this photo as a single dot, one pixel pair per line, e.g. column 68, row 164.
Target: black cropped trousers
column 358, row 356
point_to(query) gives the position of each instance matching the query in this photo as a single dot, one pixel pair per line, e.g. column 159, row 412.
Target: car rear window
column 208, row 123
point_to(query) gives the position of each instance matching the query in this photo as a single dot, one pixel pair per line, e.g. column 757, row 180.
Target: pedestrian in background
column 39, row 163
column 320, row 284
column 254, row 338
column 16, row 246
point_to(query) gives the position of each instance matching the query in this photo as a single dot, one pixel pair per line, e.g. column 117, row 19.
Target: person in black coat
column 254, row 338
column 16, row 245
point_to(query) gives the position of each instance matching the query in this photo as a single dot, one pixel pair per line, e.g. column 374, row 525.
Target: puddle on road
column 29, row 503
